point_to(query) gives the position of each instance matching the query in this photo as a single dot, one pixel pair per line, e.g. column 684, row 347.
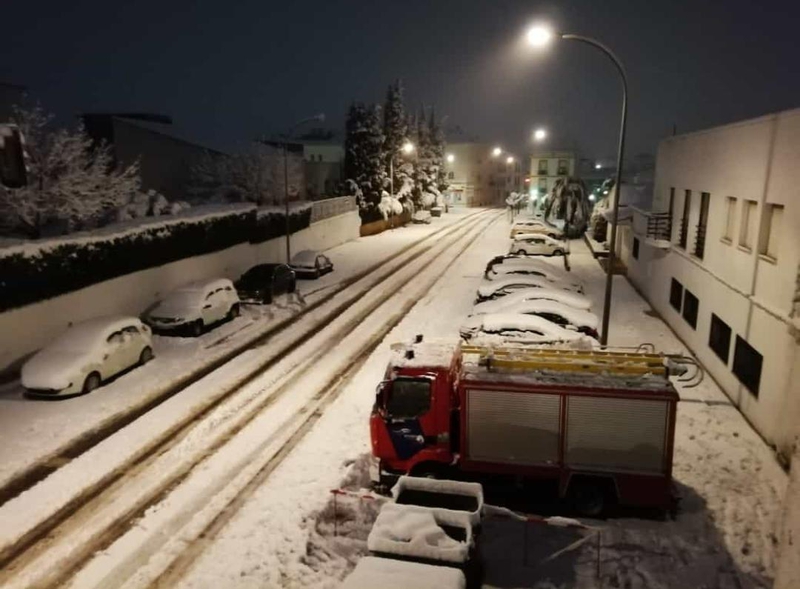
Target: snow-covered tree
column 72, row 183
column 364, row 157
column 426, row 191
column 438, row 148
column 395, row 132
column 569, row 203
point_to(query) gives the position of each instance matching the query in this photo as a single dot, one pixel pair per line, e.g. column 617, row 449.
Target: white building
column 718, row 256
column 547, row 167
column 477, row 177
column 324, row 166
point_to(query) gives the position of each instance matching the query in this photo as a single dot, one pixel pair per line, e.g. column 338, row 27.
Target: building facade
column 547, row 167
column 718, row 256
column 324, row 167
column 477, row 178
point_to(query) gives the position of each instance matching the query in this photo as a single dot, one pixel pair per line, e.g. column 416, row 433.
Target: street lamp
column 539, row 134
column 450, row 158
column 496, row 151
column 598, row 166
column 510, row 160
column 406, row 149
column 539, row 36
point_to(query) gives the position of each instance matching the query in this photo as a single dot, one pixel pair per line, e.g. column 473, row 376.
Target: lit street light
column 408, row 147
column 496, row 151
column 539, row 134
column 539, row 36
column 598, row 167
column 450, row 158
column 510, row 160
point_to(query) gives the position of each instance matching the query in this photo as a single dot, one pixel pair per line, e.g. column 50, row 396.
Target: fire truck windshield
column 408, row 398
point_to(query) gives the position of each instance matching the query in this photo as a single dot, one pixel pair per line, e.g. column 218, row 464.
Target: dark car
column 310, row 264
column 262, row 283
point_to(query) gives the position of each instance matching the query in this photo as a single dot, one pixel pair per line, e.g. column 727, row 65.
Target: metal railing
column 332, row 207
column 684, row 233
column 700, row 241
column 659, row 226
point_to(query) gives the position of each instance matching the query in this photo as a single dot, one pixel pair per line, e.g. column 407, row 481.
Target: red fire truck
column 600, row 423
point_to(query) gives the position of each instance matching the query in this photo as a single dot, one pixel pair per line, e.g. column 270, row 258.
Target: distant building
column 477, row 178
column 718, row 256
column 10, row 95
column 549, row 166
column 323, row 159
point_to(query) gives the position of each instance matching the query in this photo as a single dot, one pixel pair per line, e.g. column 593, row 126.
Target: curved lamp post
column 539, row 36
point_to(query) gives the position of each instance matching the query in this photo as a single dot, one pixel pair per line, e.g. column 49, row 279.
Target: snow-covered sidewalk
column 724, row 535
column 32, row 430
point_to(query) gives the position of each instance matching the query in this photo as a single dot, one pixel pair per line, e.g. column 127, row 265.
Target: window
column 543, row 168
column 748, row 227
column 747, row 365
column 719, row 338
column 770, row 234
column 409, row 398
column 684, row 228
column 451, row 175
column 542, row 184
column 690, row 305
column 676, row 295
column 730, row 218
column 700, row 235
column 563, row 169
column 635, row 249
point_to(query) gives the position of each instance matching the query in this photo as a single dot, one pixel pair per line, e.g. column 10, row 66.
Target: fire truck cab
column 600, row 423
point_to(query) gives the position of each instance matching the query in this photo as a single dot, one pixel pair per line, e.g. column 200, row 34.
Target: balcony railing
column 700, row 241
column 659, row 226
column 684, row 233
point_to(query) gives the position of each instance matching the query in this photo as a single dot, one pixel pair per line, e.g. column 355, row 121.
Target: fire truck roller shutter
column 619, row 434
column 512, row 427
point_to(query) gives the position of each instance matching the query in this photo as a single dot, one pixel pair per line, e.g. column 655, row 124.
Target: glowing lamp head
column 450, row 158
column 598, row 166
column 408, row 147
column 539, row 36
column 539, row 134
column 509, row 160
column 591, row 197
column 496, row 151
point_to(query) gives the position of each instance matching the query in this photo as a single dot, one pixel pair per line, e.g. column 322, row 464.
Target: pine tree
column 364, row 157
column 72, row 183
column 395, row 132
column 439, row 148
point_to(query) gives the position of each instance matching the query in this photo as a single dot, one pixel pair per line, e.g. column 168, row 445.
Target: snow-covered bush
column 390, row 205
column 72, row 182
column 568, row 202
column 149, row 204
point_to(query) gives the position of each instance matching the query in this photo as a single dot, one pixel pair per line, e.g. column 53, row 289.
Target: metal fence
column 332, row 207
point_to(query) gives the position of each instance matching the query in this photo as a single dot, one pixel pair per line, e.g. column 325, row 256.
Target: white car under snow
column 88, row 353
column 536, row 244
column 531, row 267
column 521, row 329
column 493, row 289
column 195, row 306
column 556, row 312
column 571, row 299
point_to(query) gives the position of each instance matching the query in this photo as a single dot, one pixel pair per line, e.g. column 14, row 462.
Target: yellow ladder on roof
column 594, row 361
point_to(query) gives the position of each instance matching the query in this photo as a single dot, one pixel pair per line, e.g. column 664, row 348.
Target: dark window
column 451, row 175
column 563, row 170
column 409, row 398
column 635, row 249
column 719, row 338
column 690, row 305
column 747, row 365
column 543, row 167
column 676, row 295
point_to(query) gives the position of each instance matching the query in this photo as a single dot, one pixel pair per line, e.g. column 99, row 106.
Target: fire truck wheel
column 588, row 497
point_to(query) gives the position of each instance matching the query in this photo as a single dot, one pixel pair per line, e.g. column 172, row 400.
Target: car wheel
column 523, row 252
column 146, row 355
column 234, row 312
column 92, row 382
column 558, row 252
column 588, row 498
column 197, row 328
column 268, row 297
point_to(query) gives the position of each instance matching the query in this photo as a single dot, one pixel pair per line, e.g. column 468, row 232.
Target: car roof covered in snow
column 86, row 334
column 304, row 257
column 496, row 322
column 575, row 316
column 529, row 236
column 533, row 267
column 572, row 299
column 489, row 287
column 203, row 285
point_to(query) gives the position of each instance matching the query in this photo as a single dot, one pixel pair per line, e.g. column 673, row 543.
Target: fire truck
column 599, row 423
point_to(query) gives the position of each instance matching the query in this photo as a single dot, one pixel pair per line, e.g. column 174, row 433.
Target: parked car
column 262, row 283
column 531, row 266
column 519, row 328
column 538, row 244
column 506, row 301
column 492, row 289
column 534, row 226
column 421, row 216
column 554, row 311
column 194, row 307
column 86, row 355
column 310, row 264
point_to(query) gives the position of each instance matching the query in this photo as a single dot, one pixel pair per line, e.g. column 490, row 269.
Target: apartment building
column 547, row 167
column 718, row 256
column 477, row 178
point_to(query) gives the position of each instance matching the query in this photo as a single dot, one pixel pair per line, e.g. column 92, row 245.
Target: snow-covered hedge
column 36, row 270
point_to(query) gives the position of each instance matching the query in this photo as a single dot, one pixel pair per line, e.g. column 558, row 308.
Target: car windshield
column 409, row 398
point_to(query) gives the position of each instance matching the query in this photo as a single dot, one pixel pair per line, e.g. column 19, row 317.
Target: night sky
column 228, row 71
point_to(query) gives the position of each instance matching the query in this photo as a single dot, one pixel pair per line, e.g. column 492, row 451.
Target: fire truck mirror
column 380, row 396
column 12, row 160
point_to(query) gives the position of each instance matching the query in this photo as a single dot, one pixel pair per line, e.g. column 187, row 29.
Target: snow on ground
column 290, row 533
column 31, row 430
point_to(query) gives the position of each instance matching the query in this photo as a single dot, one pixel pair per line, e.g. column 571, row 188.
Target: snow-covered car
column 519, row 328
column 262, row 283
column 493, row 289
column 536, row 227
column 498, row 304
column 556, row 312
column 421, row 216
column 310, row 264
column 195, row 306
column 538, row 244
column 530, row 266
column 86, row 355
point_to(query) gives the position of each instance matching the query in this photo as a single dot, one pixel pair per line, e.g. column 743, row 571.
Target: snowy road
column 247, row 429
